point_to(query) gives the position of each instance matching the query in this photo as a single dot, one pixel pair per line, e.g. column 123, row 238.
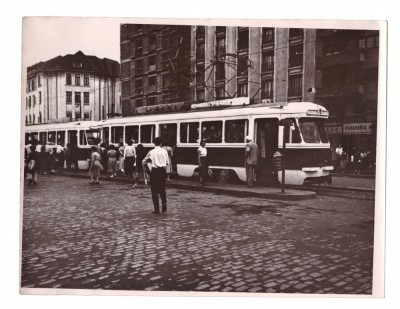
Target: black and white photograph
column 206, row 157
column 199, row 154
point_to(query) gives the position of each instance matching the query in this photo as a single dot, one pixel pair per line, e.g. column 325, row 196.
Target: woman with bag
column 203, row 164
column 95, row 166
column 32, row 163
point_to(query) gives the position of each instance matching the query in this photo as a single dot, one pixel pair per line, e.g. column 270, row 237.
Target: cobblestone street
column 80, row 236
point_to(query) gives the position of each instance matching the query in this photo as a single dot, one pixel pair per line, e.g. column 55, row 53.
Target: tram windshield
column 92, row 137
column 313, row 130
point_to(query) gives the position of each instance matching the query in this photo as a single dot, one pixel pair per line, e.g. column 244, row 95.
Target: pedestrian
column 32, row 162
column 169, row 166
column 344, row 161
column 67, row 156
column 59, row 157
column 129, row 159
column 112, row 160
column 203, row 162
column 251, row 156
column 121, row 157
column 339, row 153
column 158, row 158
column 141, row 170
column 95, row 165
column 74, row 156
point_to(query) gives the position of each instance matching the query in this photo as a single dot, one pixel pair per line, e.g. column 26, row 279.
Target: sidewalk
column 213, row 187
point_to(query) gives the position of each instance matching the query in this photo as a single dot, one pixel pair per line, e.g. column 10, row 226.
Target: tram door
column 267, row 141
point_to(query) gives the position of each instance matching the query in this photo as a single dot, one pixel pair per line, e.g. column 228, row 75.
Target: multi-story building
column 168, row 67
column 72, row 87
column 347, row 85
column 164, row 64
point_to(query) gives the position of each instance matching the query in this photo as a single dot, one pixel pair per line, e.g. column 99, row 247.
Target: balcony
column 342, row 90
column 341, row 58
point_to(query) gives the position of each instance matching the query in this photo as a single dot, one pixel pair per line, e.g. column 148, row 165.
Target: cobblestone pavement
column 81, row 236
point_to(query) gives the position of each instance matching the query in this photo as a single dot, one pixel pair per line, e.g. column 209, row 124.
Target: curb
column 292, row 195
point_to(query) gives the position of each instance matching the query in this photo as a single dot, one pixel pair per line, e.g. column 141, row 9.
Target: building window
column 242, row 90
column 139, row 86
column 268, row 35
column 152, row 101
column 220, row 92
column 296, row 56
column 69, row 115
column 77, row 98
column 86, row 98
column 30, row 119
column 152, row 81
column 33, row 85
column 152, row 63
column 138, row 47
column 33, row 118
column 86, row 80
column 267, row 89
column 243, row 38
column 86, row 116
column 295, row 85
column 268, row 61
column 125, row 51
column 68, row 79
column 40, row 97
column 30, row 101
column 242, row 68
column 40, row 117
column 39, row 81
column 200, row 73
column 200, row 95
column 26, row 103
column 294, row 32
column 69, row 97
column 139, row 66
column 77, row 64
column 220, row 68
column 200, row 51
column 77, row 79
column 138, row 102
column 29, row 86
column 34, row 101
column 152, row 42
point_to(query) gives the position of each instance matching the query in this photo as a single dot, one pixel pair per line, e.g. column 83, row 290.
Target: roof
column 79, row 62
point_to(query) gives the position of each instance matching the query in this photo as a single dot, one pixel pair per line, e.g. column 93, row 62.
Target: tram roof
column 64, row 125
column 257, row 109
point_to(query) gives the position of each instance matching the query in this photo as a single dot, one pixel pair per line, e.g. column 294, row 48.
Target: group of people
column 126, row 159
column 43, row 158
column 357, row 161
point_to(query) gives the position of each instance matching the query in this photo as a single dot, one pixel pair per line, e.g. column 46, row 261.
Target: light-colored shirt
column 202, row 151
column 158, row 157
column 60, row 149
column 251, row 153
column 129, row 151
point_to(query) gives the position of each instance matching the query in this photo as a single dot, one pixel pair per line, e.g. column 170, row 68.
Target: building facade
column 72, row 87
column 168, row 64
column 175, row 66
column 347, row 67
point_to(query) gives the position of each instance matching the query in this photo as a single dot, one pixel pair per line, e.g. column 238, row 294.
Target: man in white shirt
column 158, row 159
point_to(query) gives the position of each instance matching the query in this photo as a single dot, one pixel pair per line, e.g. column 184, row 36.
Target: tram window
column 43, row 138
column 117, row 134
column 212, row 131
column 313, row 131
column 147, row 133
column 190, row 132
column 61, row 138
column 106, row 132
column 92, row 137
column 132, row 133
column 235, row 130
column 52, row 138
column 35, row 136
column 168, row 134
column 82, row 138
column 27, row 138
column 293, row 135
column 73, row 137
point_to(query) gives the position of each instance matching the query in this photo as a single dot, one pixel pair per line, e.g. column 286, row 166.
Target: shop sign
column 357, row 128
column 334, row 130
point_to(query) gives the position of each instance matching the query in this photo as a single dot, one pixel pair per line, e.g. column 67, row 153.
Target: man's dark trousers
column 158, row 177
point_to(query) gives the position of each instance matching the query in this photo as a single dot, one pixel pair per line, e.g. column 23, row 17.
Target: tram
column 307, row 153
column 81, row 135
column 307, row 148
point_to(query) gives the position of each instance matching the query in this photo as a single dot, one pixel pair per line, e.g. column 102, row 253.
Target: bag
column 31, row 164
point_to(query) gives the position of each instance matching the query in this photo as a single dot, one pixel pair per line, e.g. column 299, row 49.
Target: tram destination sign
column 357, row 128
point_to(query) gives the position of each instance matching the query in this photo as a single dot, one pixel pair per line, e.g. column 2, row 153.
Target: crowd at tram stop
column 125, row 159
column 356, row 160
